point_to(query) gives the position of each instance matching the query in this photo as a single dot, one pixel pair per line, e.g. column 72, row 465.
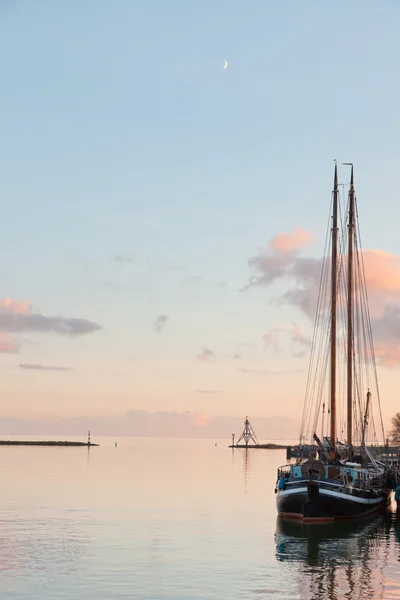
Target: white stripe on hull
column 324, row 492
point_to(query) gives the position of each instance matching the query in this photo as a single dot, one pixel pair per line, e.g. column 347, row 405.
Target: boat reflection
column 342, row 560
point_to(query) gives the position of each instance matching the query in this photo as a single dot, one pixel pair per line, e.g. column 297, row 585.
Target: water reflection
column 335, row 561
column 245, row 453
column 49, row 546
column 246, row 466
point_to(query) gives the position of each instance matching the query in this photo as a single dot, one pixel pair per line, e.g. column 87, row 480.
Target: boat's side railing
column 285, row 470
column 367, row 480
column 363, row 479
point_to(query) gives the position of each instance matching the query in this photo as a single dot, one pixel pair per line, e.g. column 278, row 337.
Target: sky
column 142, row 187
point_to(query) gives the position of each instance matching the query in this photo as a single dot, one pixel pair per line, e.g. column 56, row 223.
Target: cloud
column 169, row 421
column 386, row 330
column 276, row 260
column 299, row 337
column 14, row 306
column 268, row 371
column 208, row 391
column 273, row 338
column 161, row 322
column 37, row 367
column 192, row 280
column 281, row 261
column 300, row 354
column 140, row 423
column 200, row 419
column 150, row 266
column 127, row 258
column 7, row 345
column 289, row 242
column 19, row 317
column 206, row 355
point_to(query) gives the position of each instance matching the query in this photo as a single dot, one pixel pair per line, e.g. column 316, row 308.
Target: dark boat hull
column 329, row 504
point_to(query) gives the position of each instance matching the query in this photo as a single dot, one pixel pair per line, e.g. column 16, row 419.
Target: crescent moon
column 225, row 65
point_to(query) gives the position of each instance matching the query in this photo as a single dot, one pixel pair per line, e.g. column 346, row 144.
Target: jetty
column 261, row 446
column 44, row 443
column 64, row 443
column 248, row 435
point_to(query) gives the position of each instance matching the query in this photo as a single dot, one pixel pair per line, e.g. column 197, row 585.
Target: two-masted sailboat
column 345, row 480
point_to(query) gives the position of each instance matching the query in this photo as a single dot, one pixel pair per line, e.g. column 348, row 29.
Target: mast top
column 351, row 176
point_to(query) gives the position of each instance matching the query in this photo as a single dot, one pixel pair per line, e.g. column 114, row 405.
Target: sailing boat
column 345, row 480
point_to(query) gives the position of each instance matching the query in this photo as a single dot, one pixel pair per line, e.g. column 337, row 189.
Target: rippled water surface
column 174, row 519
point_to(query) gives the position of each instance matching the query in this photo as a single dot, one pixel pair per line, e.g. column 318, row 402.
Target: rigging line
column 371, row 420
column 366, row 350
column 369, row 350
column 324, row 343
column 316, row 322
column 359, row 377
column 356, row 374
column 370, row 333
column 314, row 403
column 322, row 381
column 358, row 371
column 313, row 396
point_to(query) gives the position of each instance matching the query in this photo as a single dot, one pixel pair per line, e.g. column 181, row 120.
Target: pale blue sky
column 121, row 134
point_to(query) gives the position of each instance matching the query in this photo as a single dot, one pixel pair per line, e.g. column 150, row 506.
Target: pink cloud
column 382, row 271
column 282, row 261
column 387, row 354
column 7, row 345
column 200, row 419
column 19, row 317
column 278, row 258
column 287, row 242
column 15, row 306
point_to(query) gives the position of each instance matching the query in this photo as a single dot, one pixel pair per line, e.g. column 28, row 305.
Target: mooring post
column 88, row 438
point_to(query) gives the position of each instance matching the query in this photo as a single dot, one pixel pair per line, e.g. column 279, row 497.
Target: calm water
column 173, row 519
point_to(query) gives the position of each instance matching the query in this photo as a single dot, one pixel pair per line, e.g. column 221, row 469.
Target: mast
column 350, row 286
column 334, row 307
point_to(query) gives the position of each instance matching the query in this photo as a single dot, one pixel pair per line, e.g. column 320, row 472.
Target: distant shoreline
column 44, row 443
